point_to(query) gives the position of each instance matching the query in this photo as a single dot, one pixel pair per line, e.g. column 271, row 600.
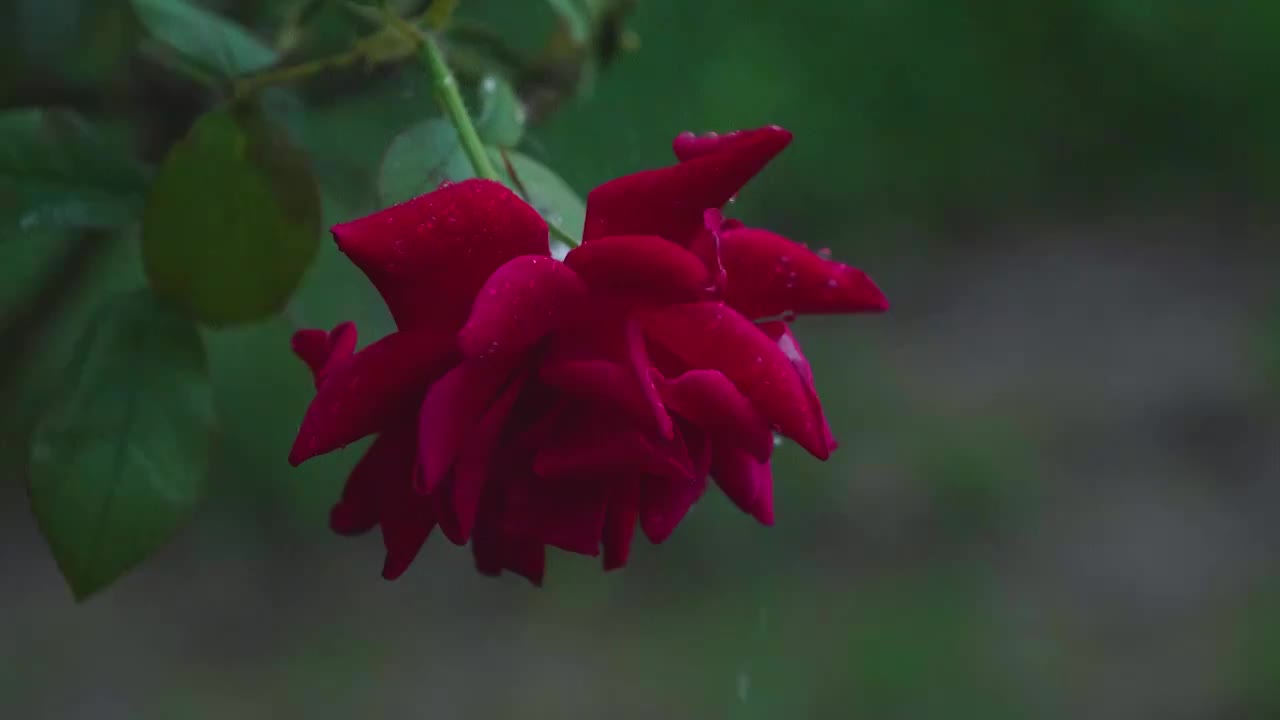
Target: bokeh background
column 1056, row 490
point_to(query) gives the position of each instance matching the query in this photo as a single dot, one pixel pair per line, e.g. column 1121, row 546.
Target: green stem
column 451, row 100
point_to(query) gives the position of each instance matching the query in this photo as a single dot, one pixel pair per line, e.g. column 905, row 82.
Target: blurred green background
column 1055, row 492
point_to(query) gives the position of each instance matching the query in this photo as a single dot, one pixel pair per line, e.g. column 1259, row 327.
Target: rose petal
column 608, row 346
column 664, row 501
column 358, row 395
column 450, row 412
column 599, row 380
column 321, row 350
column 642, row 267
column 713, row 336
column 747, row 481
column 669, row 201
column 494, row 551
column 688, row 146
column 430, row 255
column 519, row 304
column 706, row 247
column 472, row 468
column 357, row 511
column 406, row 517
column 596, row 451
column 641, row 368
column 711, row 401
column 568, row 514
column 781, row 333
column 526, row 558
column 620, row 522
column 767, row 274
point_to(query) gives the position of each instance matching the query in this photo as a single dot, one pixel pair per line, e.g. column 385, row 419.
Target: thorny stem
column 384, row 46
column 450, row 97
column 451, row 100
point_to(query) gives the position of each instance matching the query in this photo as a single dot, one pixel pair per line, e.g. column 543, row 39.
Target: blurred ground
column 1059, row 450
column 1054, row 497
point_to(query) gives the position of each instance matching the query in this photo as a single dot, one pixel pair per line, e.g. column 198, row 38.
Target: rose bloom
column 526, row 402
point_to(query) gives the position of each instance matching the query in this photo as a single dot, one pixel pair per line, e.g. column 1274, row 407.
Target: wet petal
column 781, row 333
column 359, row 395
column 664, row 503
column 519, row 304
column 747, row 481
column 638, row 361
column 767, row 274
column 643, row 267
column 599, row 380
column 321, row 350
column 495, row 551
column 620, row 522
column 688, row 145
column 357, row 511
column 406, row 517
column 568, row 514
column 474, row 459
column 452, row 409
column 711, row 401
column 525, row 558
column 713, row 336
column 610, row 351
column 601, row 452
column 430, row 255
column 669, row 201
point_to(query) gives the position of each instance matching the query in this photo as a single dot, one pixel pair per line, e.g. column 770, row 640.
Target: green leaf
column 419, row 159
column 56, row 171
column 204, row 37
column 118, row 464
column 548, row 193
column 233, row 219
column 502, row 115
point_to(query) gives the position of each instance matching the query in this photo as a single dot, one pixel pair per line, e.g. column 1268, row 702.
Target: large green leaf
column 204, row 37
column 57, row 171
column 118, row 463
column 548, row 193
column 233, row 219
column 502, row 115
column 419, row 159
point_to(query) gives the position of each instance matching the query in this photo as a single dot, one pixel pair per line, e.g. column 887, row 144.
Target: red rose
column 526, row 402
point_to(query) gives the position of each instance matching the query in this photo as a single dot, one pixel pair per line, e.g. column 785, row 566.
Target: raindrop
column 824, row 253
column 744, row 684
column 833, row 283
